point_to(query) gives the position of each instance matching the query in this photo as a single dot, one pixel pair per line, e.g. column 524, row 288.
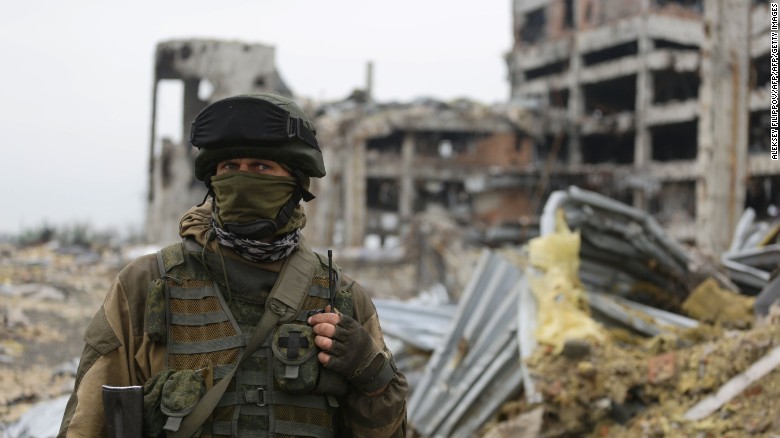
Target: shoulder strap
column 170, row 256
column 293, row 283
column 285, row 298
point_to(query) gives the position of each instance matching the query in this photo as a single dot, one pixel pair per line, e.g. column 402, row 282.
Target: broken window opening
column 568, row 14
column 205, row 90
column 667, row 44
column 555, row 147
column 559, row 98
column 169, row 112
column 669, row 86
column 677, row 141
column 762, row 194
column 611, row 97
column 674, row 202
column 760, row 71
column 603, row 148
column 449, row 195
column 615, row 52
column 455, row 144
column 533, row 29
column 547, row 70
column 382, row 194
column 186, row 51
column 758, row 133
column 388, row 145
column 445, row 149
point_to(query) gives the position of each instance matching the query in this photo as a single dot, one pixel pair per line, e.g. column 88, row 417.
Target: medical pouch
column 296, row 368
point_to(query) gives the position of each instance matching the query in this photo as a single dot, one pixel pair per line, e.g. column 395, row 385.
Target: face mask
column 247, row 204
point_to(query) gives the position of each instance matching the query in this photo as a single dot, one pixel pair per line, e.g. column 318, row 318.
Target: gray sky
column 75, row 90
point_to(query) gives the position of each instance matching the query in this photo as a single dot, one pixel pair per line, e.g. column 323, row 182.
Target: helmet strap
column 209, row 192
column 286, row 213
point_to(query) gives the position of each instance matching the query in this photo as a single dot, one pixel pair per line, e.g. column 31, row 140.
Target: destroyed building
column 617, row 83
column 205, row 71
column 387, row 163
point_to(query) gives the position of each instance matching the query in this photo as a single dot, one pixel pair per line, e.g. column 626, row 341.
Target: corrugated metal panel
column 477, row 365
column 623, row 246
column 422, row 325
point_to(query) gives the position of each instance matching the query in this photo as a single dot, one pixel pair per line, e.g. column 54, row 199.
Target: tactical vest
column 281, row 390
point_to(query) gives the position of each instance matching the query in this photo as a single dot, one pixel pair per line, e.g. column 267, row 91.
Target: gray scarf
column 256, row 251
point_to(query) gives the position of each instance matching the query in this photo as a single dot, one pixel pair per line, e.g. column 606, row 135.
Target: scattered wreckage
column 603, row 326
column 610, row 330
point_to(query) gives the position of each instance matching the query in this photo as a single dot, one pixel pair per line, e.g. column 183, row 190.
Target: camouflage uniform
column 119, row 350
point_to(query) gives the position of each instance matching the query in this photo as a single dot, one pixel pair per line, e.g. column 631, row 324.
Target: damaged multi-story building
column 617, row 84
column 387, row 163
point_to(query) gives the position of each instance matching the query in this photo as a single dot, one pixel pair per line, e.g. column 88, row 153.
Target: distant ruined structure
column 650, row 99
column 657, row 103
column 388, row 162
column 229, row 68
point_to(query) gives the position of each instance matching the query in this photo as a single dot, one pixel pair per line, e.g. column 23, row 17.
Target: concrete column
column 407, row 193
column 644, row 98
column 576, row 104
column 355, row 192
column 723, row 120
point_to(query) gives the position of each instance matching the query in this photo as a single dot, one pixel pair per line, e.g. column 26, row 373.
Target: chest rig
column 281, row 390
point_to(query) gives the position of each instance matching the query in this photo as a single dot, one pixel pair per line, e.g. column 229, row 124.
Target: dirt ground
column 46, row 301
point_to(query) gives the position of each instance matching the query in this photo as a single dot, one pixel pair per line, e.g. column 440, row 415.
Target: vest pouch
column 296, row 368
column 180, row 393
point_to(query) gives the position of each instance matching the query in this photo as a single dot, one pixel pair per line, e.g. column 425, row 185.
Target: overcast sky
column 75, row 94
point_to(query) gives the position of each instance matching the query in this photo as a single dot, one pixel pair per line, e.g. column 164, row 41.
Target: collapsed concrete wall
column 226, row 68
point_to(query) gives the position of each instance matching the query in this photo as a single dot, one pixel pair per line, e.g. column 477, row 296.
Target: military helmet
column 263, row 126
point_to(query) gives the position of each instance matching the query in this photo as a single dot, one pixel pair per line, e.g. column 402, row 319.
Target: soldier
column 243, row 287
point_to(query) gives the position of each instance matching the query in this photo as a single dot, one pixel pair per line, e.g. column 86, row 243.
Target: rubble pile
column 623, row 390
column 48, row 295
column 605, row 329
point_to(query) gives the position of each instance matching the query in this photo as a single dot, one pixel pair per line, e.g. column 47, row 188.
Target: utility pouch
column 180, row 393
column 296, row 368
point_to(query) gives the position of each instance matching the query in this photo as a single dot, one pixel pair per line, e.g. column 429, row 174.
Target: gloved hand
column 349, row 349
